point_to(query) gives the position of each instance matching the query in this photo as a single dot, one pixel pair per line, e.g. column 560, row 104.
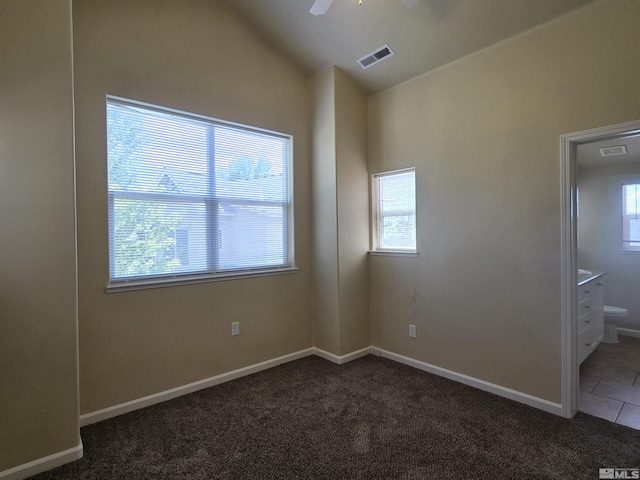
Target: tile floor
column 610, row 382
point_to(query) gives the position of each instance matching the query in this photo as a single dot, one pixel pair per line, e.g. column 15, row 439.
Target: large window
column 191, row 198
column 631, row 217
column 394, row 211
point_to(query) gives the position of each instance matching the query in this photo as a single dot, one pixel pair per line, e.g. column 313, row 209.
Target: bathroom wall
column 600, row 233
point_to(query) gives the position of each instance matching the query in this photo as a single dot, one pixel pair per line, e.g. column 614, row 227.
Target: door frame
column 569, row 251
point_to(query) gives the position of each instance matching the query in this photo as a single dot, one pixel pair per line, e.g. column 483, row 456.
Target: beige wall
column 326, row 298
column 599, row 236
column 197, row 57
column 352, row 180
column 483, row 134
column 38, row 325
column 340, row 213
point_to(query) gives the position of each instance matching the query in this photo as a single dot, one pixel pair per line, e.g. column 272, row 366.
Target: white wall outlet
column 412, row 331
column 235, row 328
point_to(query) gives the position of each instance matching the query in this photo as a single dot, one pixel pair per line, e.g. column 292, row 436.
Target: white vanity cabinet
column 590, row 313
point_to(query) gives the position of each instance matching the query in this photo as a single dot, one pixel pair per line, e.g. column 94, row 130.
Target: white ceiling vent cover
column 377, row 56
column 617, row 150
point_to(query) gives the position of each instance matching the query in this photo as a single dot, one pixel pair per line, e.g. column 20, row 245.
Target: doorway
column 569, row 144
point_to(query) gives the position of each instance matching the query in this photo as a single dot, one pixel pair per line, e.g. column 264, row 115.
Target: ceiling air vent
column 617, row 150
column 372, row 58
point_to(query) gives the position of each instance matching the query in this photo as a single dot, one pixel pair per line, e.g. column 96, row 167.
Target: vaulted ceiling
column 424, row 37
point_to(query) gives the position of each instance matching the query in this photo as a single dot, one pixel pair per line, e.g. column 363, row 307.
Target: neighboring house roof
column 267, row 188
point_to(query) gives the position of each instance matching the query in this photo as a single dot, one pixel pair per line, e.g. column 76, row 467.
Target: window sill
column 125, row 286
column 393, row 253
column 630, row 251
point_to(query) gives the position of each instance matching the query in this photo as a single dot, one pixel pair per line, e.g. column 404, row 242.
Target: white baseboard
column 52, row 461
column 114, row 411
column 340, row 359
column 628, row 332
column 43, row 464
column 525, row 398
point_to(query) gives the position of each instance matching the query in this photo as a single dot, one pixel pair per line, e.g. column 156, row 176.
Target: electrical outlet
column 412, row 331
column 235, row 328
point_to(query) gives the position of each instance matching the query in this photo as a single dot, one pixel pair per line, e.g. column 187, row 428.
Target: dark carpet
column 368, row 419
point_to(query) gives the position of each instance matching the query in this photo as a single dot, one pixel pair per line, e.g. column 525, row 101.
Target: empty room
column 319, row 239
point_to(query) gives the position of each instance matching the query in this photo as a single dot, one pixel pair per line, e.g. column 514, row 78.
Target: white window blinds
column 395, row 210
column 631, row 217
column 192, row 196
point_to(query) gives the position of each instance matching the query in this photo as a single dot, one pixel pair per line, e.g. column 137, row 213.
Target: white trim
column 43, row 464
column 374, row 233
column 628, row 332
column 536, row 402
column 159, row 282
column 210, row 273
column 393, row 253
column 568, row 277
column 115, row 410
column 52, row 461
column 340, row 359
column 26, row 470
column 120, row 409
column 569, row 250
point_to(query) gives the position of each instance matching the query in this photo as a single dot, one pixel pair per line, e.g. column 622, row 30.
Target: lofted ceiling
column 424, row 37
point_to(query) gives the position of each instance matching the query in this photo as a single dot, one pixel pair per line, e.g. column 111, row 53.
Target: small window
column 179, row 184
column 394, row 211
column 631, row 217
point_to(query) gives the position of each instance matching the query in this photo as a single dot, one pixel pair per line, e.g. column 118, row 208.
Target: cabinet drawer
column 584, row 291
column 584, row 322
column 585, row 344
column 584, row 306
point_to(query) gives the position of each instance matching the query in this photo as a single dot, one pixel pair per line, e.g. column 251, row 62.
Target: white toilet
column 611, row 316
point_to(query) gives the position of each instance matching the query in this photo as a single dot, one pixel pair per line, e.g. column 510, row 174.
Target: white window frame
column 164, row 280
column 626, row 220
column 376, row 248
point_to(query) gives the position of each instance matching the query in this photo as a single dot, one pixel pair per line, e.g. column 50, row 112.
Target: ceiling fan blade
column 410, row 3
column 320, row 7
